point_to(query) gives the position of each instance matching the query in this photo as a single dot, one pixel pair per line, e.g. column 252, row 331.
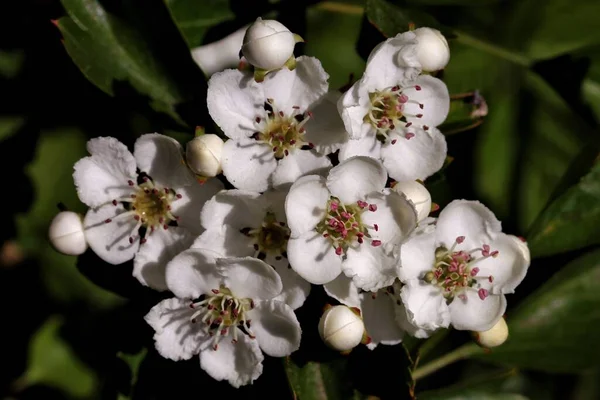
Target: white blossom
column 203, row 155
column 347, row 222
column 66, row 233
column 279, row 129
column 457, row 271
column 268, row 44
column 144, row 205
column 341, row 328
column 226, row 313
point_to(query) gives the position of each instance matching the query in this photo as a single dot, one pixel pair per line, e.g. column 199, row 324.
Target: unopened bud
column 416, row 193
column 433, row 52
column 268, row 44
column 341, row 328
column 493, row 337
column 66, row 233
column 203, row 155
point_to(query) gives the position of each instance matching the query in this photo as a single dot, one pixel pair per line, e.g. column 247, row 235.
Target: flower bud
column 203, row 155
column 433, row 52
column 66, row 233
column 268, row 44
column 418, row 195
column 493, row 337
column 341, row 328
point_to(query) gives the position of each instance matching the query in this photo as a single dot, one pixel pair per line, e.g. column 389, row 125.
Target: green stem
column 461, row 353
column 343, row 8
column 492, row 49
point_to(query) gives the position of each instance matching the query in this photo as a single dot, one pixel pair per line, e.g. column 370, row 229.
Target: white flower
column 240, row 223
column 341, row 328
column 348, row 222
column 392, row 114
column 418, row 194
column 144, row 205
column 432, row 51
column 224, row 312
column 66, row 233
column 203, row 155
column 377, row 310
column 274, row 136
column 458, row 271
column 268, row 44
column 222, row 54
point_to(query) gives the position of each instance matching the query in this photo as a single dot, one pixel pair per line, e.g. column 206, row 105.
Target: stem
column 343, row 8
column 461, row 353
column 492, row 49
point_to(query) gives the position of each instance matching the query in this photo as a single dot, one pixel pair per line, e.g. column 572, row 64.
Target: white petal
column 234, row 100
column 395, row 217
column 343, row 290
column 417, row 254
column 474, row 314
column 305, row 204
column 104, row 176
column 425, row 306
column 161, row 246
column 240, row 363
column 161, row 157
column 175, row 337
column 297, row 164
column 352, row 107
column 110, row 241
column 433, row 96
column 325, row 129
column 416, row 158
column 405, row 325
column 276, row 328
column 313, row 257
column 508, row 268
column 379, row 317
column 356, row 177
column 468, row 218
column 300, row 87
column 225, row 241
column 193, row 273
column 275, row 200
column 368, row 146
column 382, row 65
column 295, row 288
column 193, row 197
column 370, row 267
column 248, row 164
column 237, row 208
column 249, row 277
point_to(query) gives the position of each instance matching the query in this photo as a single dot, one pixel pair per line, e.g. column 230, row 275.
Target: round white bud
column 341, row 328
column 66, row 233
column 493, row 337
column 433, row 52
column 203, row 155
column 416, row 193
column 268, row 44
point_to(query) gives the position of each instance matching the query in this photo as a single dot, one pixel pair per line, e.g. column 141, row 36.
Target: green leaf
column 391, row 20
column 470, row 394
column 108, row 50
column 11, row 62
column 52, row 362
column 133, row 361
column 9, row 125
column 336, row 52
column 560, row 26
column 193, row 18
column 556, row 328
column 571, row 221
column 320, row 381
column 51, row 174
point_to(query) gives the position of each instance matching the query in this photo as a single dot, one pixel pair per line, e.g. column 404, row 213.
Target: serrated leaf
column 193, row 18
column 51, row 174
column 52, row 362
column 571, row 221
column 110, row 51
column 556, row 328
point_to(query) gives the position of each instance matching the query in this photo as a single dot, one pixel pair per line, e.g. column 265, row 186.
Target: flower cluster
column 324, row 188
